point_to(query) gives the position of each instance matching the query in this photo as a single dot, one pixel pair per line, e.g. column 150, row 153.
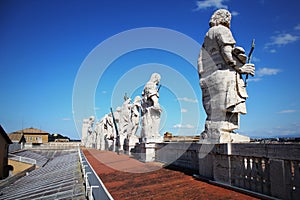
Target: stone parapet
column 268, row 169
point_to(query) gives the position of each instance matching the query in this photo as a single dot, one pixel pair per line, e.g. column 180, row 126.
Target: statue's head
column 118, row 109
column 137, row 99
column 220, row 17
column 92, row 118
column 155, row 78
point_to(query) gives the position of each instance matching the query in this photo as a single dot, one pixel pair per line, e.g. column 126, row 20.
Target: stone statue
column 90, row 137
column 117, row 115
column 134, row 120
column 109, row 132
column 151, row 110
column 124, row 122
column 84, row 131
column 220, row 67
column 96, row 134
column 99, row 129
column 135, row 115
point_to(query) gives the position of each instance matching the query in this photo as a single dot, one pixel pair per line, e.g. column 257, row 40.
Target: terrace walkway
column 127, row 178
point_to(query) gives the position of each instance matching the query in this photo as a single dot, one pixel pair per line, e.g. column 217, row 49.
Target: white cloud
column 188, row 100
column 287, row 111
column 254, row 79
column 210, row 3
column 282, row 39
column 183, row 110
column 185, row 126
column 66, row 119
column 104, row 92
column 255, row 59
column 273, row 51
column 235, row 13
column 267, row 72
column 297, row 27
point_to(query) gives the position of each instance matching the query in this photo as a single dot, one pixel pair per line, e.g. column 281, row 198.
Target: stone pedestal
column 153, row 139
column 131, row 143
column 147, row 152
column 226, row 138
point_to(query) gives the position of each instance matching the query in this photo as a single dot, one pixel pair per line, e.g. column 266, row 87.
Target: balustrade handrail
column 93, row 181
column 22, row 159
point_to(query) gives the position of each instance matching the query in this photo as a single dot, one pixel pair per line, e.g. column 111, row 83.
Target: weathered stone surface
column 151, row 111
column 268, row 169
column 133, row 126
column 277, row 173
column 87, row 131
column 220, row 66
column 124, row 122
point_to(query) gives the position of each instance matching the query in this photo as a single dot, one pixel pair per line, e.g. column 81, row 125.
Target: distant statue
column 135, row 115
column 124, row 122
column 220, row 66
column 90, row 137
column 101, row 131
column 96, row 135
column 151, row 110
column 134, row 121
column 84, row 131
column 109, row 132
column 117, row 115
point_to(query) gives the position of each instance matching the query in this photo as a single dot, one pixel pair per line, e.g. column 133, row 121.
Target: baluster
column 242, row 172
column 266, row 176
column 296, row 180
column 253, row 174
column 257, row 176
column 260, row 174
column 248, row 173
column 235, row 170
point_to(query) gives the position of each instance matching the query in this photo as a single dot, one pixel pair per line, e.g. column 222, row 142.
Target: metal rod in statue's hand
column 117, row 132
column 158, row 87
column 249, row 58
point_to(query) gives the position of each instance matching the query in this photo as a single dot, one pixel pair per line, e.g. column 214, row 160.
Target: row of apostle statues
column 221, row 66
column 117, row 130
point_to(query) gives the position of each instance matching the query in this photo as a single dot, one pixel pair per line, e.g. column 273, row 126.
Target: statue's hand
column 248, row 68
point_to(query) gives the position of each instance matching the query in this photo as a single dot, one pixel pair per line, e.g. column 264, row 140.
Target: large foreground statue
column 220, row 66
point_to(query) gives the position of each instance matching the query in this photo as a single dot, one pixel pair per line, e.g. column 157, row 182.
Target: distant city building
column 56, row 137
column 32, row 135
column 4, row 144
column 168, row 136
column 18, row 141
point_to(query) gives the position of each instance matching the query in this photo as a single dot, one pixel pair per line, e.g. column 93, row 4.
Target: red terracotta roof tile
column 117, row 173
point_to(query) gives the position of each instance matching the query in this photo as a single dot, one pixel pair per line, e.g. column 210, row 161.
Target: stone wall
column 269, row 169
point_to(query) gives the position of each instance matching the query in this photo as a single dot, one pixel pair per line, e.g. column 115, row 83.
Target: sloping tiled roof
column 161, row 183
column 15, row 136
column 60, row 178
column 4, row 135
column 31, row 131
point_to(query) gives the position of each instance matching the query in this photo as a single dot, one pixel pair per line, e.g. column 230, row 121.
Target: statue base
column 226, row 138
column 147, row 153
column 156, row 139
column 131, row 143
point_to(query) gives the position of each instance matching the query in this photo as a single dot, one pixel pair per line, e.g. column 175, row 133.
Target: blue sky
column 45, row 43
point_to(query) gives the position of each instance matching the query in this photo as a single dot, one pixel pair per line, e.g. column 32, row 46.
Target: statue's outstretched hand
column 248, row 68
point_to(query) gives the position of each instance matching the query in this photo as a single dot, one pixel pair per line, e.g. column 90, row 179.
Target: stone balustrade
column 269, row 169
